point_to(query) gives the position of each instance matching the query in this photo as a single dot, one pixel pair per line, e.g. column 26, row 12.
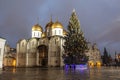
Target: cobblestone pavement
column 104, row 73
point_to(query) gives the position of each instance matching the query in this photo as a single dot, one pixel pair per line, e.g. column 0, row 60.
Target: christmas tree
column 75, row 43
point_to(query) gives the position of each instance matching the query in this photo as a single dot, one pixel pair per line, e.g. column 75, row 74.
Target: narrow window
column 38, row 34
column 0, row 51
column 55, row 32
column 59, row 32
column 34, row 33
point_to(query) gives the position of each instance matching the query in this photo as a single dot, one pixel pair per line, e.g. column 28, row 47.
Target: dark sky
column 99, row 19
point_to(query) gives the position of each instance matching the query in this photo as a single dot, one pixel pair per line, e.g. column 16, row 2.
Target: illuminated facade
column 94, row 55
column 117, row 57
column 9, row 58
column 44, row 48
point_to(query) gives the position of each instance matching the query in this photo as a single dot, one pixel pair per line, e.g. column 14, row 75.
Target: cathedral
column 44, row 48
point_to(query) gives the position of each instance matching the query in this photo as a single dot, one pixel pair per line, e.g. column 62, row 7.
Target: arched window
column 23, row 44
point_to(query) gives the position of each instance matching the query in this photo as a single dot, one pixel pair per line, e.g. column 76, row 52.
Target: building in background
column 117, row 59
column 94, row 55
column 9, row 59
column 117, row 56
column 2, row 45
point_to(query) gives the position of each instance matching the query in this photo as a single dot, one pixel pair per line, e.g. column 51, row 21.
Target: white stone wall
column 55, row 51
column 52, row 52
column 2, row 45
column 31, row 60
column 61, row 51
column 31, row 53
column 28, row 55
column 21, row 53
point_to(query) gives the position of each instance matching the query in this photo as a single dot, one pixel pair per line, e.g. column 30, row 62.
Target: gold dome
column 49, row 25
column 43, row 34
column 64, row 32
column 37, row 27
column 57, row 25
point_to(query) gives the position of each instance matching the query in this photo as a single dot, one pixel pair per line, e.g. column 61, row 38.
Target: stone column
column 27, row 59
column 37, row 59
column 17, row 54
column 61, row 53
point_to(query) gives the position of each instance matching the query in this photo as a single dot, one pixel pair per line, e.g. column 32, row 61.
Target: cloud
column 99, row 18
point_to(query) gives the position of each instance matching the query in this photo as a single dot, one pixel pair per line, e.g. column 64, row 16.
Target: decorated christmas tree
column 75, row 43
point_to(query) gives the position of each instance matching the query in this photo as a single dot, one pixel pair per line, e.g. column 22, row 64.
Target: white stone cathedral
column 44, row 48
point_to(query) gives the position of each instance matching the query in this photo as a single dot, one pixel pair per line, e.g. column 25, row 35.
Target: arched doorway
column 43, row 55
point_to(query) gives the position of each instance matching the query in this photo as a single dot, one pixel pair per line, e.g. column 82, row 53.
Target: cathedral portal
column 42, row 55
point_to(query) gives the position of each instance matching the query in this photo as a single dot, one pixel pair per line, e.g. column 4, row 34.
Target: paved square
column 104, row 73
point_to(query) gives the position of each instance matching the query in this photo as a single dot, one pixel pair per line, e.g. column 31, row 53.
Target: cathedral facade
column 45, row 48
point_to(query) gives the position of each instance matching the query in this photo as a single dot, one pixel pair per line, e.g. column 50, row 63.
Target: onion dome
column 37, row 27
column 49, row 25
column 43, row 34
column 64, row 32
column 57, row 25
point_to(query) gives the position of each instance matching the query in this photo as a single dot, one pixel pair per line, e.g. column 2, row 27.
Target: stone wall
column 2, row 45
